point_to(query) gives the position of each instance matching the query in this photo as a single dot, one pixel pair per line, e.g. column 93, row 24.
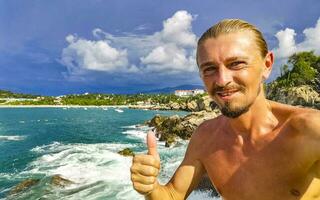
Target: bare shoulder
column 306, row 120
column 303, row 120
column 208, row 127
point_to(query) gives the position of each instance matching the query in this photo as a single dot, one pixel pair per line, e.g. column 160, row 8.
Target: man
column 258, row 149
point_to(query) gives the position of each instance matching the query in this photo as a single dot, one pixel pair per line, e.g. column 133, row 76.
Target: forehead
column 238, row 44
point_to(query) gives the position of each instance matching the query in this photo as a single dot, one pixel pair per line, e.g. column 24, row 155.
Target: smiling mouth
column 227, row 93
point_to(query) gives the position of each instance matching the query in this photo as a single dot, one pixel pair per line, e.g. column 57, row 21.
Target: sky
column 130, row 46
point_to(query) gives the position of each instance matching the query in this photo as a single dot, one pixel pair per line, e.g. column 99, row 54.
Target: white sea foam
column 130, row 126
column 136, row 131
column 12, row 137
column 93, row 167
column 135, row 134
column 98, row 171
column 197, row 195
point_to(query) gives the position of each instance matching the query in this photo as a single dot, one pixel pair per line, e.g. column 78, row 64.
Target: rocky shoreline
column 169, row 129
column 203, row 103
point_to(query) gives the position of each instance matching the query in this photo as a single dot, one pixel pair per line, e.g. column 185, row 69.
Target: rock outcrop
column 204, row 103
column 24, row 185
column 302, row 95
column 168, row 129
column 126, row 152
column 59, row 181
column 55, row 180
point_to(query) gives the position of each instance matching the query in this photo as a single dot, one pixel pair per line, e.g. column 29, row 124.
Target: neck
column 257, row 122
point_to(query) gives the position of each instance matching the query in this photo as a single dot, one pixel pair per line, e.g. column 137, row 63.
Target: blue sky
column 126, row 46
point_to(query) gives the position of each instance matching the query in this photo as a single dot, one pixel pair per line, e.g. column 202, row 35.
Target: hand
column 145, row 168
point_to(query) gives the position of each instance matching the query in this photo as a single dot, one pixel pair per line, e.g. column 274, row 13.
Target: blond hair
column 235, row 25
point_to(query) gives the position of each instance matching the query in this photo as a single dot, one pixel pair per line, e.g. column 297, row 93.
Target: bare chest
column 278, row 171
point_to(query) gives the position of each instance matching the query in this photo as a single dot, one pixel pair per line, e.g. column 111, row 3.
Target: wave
column 136, row 131
column 96, row 170
column 12, row 137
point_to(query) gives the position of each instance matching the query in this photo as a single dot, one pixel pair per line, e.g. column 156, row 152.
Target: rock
column 156, row 121
column 126, row 152
column 192, row 106
column 302, row 95
column 209, row 104
column 175, row 106
column 200, row 105
column 24, row 185
column 170, row 140
column 168, row 129
column 57, row 180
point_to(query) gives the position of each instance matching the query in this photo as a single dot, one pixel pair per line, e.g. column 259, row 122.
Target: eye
column 208, row 71
column 237, row 64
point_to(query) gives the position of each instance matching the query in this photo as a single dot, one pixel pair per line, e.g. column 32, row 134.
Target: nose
column 224, row 76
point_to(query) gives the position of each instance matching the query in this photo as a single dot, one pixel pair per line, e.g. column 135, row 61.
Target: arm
column 185, row 179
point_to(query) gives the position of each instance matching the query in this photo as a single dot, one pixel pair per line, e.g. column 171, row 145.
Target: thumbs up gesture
column 145, row 168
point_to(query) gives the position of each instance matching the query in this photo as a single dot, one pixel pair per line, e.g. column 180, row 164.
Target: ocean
column 80, row 145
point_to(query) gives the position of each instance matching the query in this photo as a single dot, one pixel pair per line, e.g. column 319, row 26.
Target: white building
column 188, row 92
column 198, row 91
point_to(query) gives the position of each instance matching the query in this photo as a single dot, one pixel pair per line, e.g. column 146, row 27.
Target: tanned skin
column 271, row 151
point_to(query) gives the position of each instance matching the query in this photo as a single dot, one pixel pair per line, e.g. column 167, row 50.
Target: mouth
column 227, row 94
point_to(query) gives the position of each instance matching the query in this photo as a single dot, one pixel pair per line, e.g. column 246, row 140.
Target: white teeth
column 225, row 93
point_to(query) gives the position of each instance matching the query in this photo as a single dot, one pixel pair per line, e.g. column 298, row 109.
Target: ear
column 268, row 62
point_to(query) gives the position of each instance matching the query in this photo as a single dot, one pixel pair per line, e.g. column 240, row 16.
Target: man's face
column 231, row 68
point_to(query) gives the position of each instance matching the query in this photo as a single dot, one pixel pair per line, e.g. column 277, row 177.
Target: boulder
column 156, row 121
column 200, row 105
column 175, row 106
column 126, row 152
column 192, row 106
column 168, row 129
column 24, row 185
column 57, row 180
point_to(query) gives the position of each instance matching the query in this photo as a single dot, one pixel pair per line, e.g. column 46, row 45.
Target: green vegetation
column 36, row 101
column 113, row 99
column 8, row 94
column 301, row 69
column 101, row 99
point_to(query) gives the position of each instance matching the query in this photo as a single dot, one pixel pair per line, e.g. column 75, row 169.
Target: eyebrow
column 230, row 59
column 210, row 63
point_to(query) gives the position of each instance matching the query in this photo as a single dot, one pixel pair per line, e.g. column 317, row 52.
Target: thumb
column 152, row 145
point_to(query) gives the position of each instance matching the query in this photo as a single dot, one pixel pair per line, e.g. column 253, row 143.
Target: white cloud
column 81, row 55
column 175, row 51
column 178, row 30
column 169, row 51
column 169, row 59
column 288, row 46
column 312, row 41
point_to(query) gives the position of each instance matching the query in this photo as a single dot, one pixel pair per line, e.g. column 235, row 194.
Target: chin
column 232, row 111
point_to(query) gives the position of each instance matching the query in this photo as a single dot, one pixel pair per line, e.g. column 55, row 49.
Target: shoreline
column 63, row 106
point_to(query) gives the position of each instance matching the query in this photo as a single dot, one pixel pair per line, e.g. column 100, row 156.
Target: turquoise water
column 80, row 145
